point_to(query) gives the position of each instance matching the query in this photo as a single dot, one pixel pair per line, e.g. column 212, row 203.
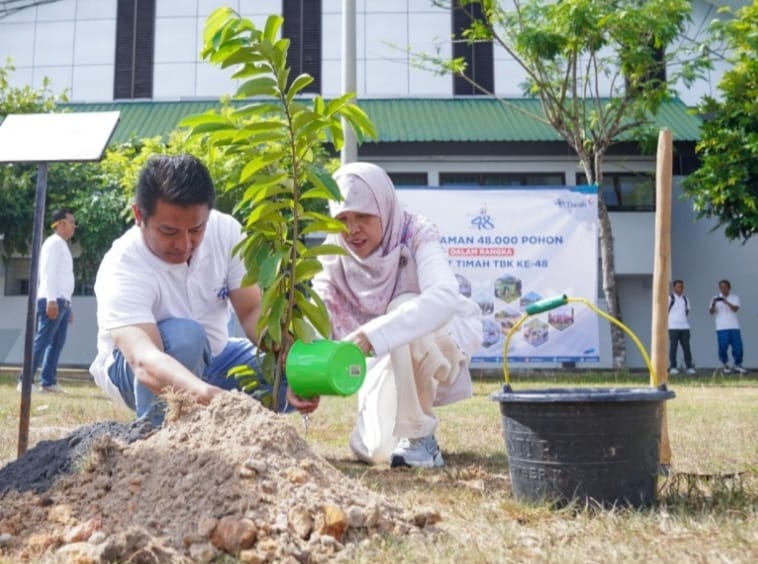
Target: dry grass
column 706, row 511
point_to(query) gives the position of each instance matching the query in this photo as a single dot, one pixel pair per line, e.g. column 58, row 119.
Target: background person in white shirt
column 395, row 296
column 724, row 307
column 54, row 290
column 679, row 328
column 163, row 292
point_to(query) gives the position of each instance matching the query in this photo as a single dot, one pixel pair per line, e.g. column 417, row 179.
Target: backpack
column 686, row 303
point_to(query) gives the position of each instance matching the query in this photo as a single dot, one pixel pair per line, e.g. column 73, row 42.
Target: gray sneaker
column 420, row 453
column 35, row 388
column 673, row 371
column 739, row 370
column 54, row 389
column 725, row 369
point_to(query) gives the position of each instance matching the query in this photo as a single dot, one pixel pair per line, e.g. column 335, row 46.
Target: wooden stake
column 662, row 275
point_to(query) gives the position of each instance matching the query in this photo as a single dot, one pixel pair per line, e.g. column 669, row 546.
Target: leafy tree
column 725, row 187
column 280, row 139
column 599, row 69
column 18, row 181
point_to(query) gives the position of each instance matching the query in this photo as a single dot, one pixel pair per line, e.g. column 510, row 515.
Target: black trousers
column 677, row 337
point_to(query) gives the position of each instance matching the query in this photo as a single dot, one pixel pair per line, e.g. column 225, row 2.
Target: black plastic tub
column 599, row 445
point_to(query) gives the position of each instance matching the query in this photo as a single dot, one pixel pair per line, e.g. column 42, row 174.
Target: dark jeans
column 49, row 340
column 676, row 337
column 186, row 341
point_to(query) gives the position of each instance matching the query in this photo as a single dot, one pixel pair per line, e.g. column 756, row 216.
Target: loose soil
column 228, row 478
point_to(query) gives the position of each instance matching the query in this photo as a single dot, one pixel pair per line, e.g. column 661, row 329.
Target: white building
column 141, row 56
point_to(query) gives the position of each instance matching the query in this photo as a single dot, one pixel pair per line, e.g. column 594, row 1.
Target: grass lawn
column 706, row 510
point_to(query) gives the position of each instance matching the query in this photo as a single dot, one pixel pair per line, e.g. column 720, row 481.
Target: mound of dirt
column 228, row 478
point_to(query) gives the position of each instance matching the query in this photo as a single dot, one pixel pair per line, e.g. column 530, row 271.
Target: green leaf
column 338, row 103
column 262, row 210
column 269, row 294
column 302, row 330
column 260, row 180
column 306, row 268
column 261, row 86
column 323, row 249
column 273, row 323
column 359, row 121
column 258, row 162
column 317, row 315
column 322, row 227
column 298, row 84
column 270, row 268
column 321, row 178
column 273, row 23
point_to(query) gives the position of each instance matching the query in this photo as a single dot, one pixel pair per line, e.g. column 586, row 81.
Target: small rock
column 97, row 537
column 205, row 526
column 332, row 522
column 300, row 522
column 426, row 516
column 259, row 466
column 202, row 552
column 372, row 515
column 5, row 538
column 60, row 514
column 233, row 534
column 355, row 517
column 80, row 553
column 82, row 531
column 297, row 475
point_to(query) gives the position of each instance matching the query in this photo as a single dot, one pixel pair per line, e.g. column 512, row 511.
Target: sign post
column 42, row 139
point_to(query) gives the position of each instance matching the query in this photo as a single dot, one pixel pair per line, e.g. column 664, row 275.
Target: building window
column 656, row 72
column 626, row 192
column 409, row 178
column 302, row 26
column 501, row 179
column 479, row 57
column 17, row 276
column 135, row 46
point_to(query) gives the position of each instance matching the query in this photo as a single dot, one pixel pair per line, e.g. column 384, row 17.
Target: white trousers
column 399, row 391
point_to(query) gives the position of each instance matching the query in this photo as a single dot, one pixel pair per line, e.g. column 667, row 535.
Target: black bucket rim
column 583, row 395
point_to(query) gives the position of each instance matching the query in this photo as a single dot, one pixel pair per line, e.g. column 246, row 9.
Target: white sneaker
column 673, row 371
column 725, row 369
column 739, row 370
column 35, row 388
column 421, row 453
column 54, row 389
column 691, row 371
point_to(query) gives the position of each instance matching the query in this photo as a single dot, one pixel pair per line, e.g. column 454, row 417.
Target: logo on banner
column 483, row 220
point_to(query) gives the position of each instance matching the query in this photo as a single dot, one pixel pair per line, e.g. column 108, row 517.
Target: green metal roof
column 401, row 120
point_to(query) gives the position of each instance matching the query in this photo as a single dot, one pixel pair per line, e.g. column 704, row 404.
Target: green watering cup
column 325, row 368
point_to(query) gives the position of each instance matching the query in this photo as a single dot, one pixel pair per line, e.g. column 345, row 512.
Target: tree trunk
column 608, row 269
column 592, row 164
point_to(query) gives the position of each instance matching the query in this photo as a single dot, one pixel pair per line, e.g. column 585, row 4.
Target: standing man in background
column 54, row 291
column 679, row 328
column 724, row 306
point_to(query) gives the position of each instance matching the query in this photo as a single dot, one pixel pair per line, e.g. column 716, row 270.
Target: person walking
column 679, row 328
column 54, row 290
column 724, row 307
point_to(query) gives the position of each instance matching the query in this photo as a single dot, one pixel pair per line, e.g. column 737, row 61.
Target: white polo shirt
column 678, row 312
column 134, row 286
column 724, row 317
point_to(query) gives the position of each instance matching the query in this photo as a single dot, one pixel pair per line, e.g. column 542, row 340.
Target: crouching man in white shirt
column 163, row 292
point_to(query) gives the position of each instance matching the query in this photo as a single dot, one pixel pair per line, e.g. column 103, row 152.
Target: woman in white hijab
column 394, row 295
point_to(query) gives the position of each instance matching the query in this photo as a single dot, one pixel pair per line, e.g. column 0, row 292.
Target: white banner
column 510, row 247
